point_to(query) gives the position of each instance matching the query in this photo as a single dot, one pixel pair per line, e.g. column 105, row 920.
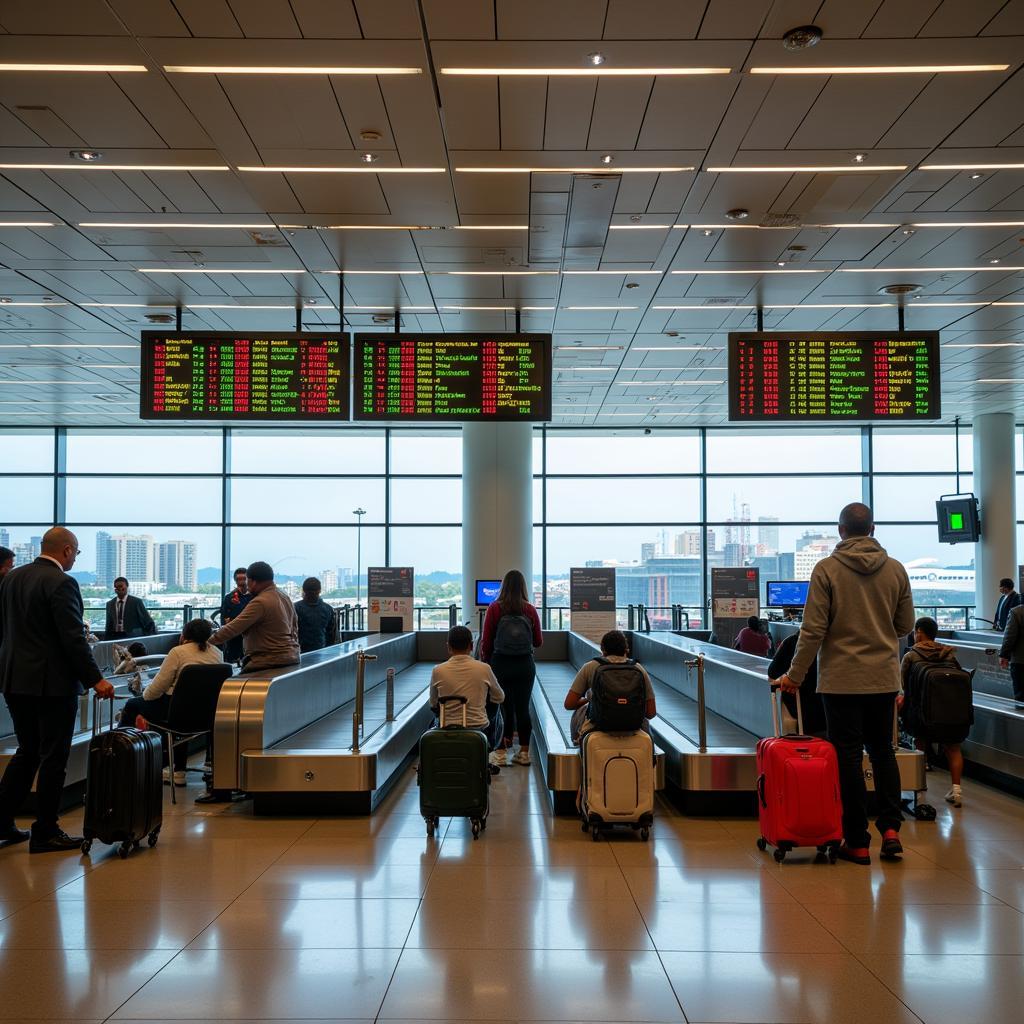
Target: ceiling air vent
column 781, row 220
column 722, row 300
column 160, row 318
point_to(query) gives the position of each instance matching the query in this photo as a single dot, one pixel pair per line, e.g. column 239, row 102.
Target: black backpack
column 618, row 696
column 514, row 636
column 939, row 700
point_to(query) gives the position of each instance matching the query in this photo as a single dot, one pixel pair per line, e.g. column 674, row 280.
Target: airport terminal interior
column 631, row 296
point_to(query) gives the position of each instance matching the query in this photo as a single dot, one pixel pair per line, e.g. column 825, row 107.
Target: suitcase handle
column 776, row 714
column 96, row 700
column 442, row 706
column 760, row 790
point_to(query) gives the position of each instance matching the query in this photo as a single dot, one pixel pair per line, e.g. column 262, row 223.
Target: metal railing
column 357, row 715
column 952, row 616
column 702, row 709
column 635, row 617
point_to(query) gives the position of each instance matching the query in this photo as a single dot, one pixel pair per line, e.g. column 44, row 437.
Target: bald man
column 45, row 666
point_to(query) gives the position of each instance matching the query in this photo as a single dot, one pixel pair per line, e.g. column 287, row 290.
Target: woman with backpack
column 510, row 634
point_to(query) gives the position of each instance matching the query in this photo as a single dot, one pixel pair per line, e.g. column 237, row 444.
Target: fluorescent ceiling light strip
column 751, row 271
column 489, row 227
column 1001, row 380
column 270, row 69
column 494, row 273
column 587, row 369
column 677, row 348
column 927, row 270
column 971, row 167
column 27, row 224
column 602, row 169
column 103, row 68
column 114, row 167
column 2, row 305
column 621, row 273
column 216, row 270
column 588, row 72
column 971, row 224
column 1007, row 303
column 390, row 309
column 70, row 380
column 344, row 170
column 777, row 227
column 589, row 348
column 200, row 305
column 949, row 305
column 505, row 309
column 711, row 308
column 173, row 224
column 879, row 69
column 810, row 169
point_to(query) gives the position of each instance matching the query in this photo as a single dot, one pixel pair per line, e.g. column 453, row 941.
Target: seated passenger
column 317, row 625
column 926, row 651
column 811, row 709
column 614, row 651
column 267, row 624
column 126, row 656
column 155, row 703
column 463, row 676
column 753, row 639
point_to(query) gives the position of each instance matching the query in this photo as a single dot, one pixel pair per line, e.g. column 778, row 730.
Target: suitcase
column 797, row 791
column 124, row 793
column 454, row 776
column 617, row 781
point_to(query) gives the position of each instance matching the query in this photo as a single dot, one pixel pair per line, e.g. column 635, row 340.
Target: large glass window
column 143, row 499
column 789, row 499
column 615, row 453
column 426, row 500
column 147, row 451
column 26, row 499
column 28, row 451
column 433, row 452
column 326, row 452
column 784, row 451
column 305, row 500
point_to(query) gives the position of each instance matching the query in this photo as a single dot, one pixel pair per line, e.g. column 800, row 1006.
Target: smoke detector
column 899, row 289
column 802, row 38
column 739, row 213
column 368, row 135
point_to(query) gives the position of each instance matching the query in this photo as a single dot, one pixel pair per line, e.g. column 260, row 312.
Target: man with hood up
column 859, row 604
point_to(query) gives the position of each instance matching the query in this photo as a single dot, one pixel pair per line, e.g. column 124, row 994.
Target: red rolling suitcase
column 124, row 793
column 797, row 791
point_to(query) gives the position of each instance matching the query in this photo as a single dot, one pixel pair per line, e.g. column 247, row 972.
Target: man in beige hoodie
column 859, row 604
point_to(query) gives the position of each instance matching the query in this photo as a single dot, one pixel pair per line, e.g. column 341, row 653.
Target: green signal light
column 956, row 521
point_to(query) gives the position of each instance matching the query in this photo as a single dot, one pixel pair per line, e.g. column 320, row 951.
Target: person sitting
column 463, row 676
column 927, row 650
column 753, row 639
column 812, row 711
column 155, row 703
column 126, row 657
column 126, row 614
column 268, row 625
column 614, row 651
column 317, row 624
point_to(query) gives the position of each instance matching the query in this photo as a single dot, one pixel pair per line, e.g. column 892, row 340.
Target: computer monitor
column 787, row 593
column 487, row 591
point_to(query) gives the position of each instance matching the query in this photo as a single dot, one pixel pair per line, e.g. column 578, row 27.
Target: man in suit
column 1007, row 602
column 126, row 614
column 45, row 664
column 1011, row 653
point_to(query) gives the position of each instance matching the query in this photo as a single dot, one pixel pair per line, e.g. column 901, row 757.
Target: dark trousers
column 515, row 675
column 1017, row 678
column 155, row 711
column 859, row 721
column 44, row 727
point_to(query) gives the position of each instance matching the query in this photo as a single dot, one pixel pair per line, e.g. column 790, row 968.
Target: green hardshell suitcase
column 453, row 773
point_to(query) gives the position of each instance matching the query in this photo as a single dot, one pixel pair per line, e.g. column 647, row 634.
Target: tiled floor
column 234, row 918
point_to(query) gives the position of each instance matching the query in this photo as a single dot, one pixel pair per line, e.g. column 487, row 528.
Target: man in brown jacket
column 859, row 604
column 267, row 624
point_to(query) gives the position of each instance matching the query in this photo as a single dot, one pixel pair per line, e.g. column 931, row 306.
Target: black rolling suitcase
column 124, row 793
column 454, row 775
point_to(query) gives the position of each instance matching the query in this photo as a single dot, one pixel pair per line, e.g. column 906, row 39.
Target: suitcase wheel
column 432, row 825
column 595, row 833
column 477, row 827
column 584, row 826
column 125, row 848
column 86, row 847
column 762, row 843
column 645, row 833
column 153, row 836
column 779, row 855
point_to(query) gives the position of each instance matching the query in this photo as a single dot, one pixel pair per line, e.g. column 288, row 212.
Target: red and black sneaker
column 854, row 854
column 892, row 848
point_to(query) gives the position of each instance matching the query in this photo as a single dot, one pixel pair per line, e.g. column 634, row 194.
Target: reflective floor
column 237, row 918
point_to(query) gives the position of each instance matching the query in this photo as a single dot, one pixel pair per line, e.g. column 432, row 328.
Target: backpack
column 514, row 636
column 618, row 696
column 939, row 701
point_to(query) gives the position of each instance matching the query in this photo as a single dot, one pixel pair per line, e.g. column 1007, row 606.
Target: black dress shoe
column 60, row 842
column 12, row 835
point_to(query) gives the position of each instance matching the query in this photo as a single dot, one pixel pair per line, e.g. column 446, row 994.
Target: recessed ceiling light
column 86, row 155
column 6, row 300
column 807, row 169
column 908, row 231
column 343, row 170
column 607, row 158
column 255, row 69
column 781, row 263
column 994, row 260
column 369, row 158
column 596, row 59
column 859, row 158
column 880, row 69
column 110, row 69
column 707, row 232
column 977, row 175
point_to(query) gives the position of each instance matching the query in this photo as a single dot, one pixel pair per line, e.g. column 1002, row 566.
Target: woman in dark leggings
column 511, row 632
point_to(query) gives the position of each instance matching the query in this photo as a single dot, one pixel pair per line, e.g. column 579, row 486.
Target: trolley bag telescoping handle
column 96, row 698
column 443, row 703
column 776, row 714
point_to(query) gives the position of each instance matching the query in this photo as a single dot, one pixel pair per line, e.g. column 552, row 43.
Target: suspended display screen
column 841, row 376
column 452, row 377
column 219, row 375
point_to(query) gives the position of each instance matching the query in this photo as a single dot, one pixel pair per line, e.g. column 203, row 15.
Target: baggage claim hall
column 512, row 511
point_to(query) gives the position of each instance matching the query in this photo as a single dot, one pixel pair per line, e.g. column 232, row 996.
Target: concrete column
column 995, row 555
column 497, row 505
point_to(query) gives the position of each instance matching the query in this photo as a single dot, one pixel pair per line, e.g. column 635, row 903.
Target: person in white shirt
column 463, row 676
column 155, row 703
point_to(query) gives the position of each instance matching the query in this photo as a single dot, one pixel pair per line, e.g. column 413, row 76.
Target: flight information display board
column 444, row 377
column 865, row 375
column 217, row 375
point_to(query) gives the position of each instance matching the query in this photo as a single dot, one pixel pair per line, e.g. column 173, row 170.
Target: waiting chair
column 192, row 710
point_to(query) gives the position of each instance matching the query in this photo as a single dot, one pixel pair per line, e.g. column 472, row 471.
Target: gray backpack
column 514, row 636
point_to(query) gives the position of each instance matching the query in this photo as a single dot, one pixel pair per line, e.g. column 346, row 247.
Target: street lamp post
column 359, row 513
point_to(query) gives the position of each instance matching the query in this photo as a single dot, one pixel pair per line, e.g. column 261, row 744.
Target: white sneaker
column 180, row 779
column 522, row 756
column 953, row 797
column 499, row 757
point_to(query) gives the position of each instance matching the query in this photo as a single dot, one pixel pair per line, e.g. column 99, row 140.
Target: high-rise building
column 329, row 579
column 687, row 544
column 768, row 533
column 805, row 560
column 132, row 556
column 176, row 565
column 648, row 551
column 5, row 539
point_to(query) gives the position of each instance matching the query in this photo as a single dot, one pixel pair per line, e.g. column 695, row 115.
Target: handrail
column 357, row 715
